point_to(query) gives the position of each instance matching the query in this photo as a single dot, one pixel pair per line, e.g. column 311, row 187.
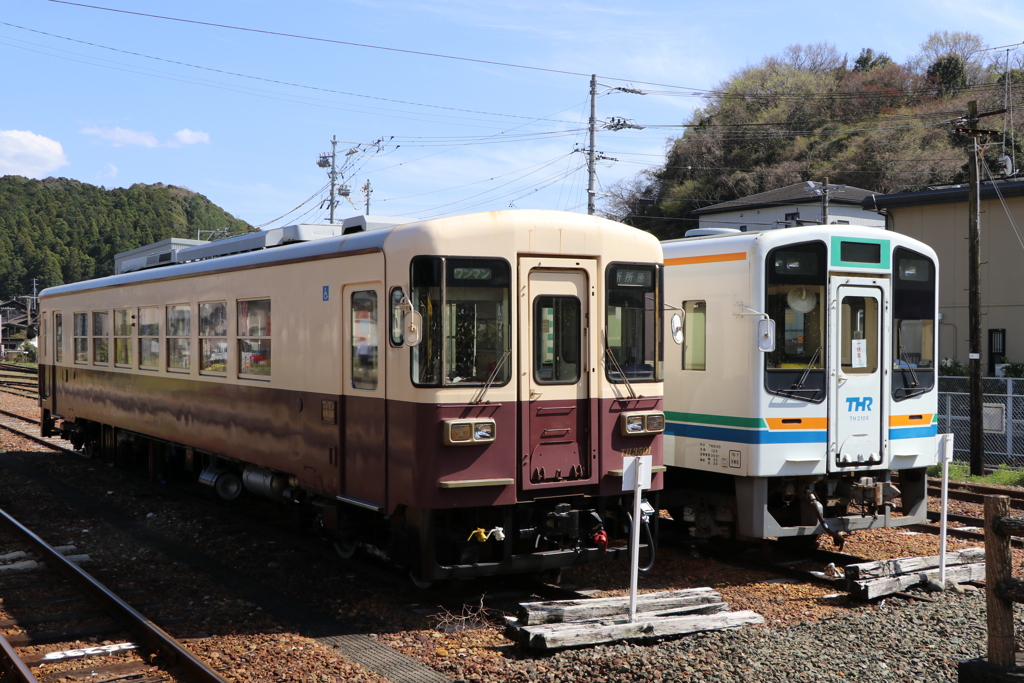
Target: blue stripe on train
column 913, row 432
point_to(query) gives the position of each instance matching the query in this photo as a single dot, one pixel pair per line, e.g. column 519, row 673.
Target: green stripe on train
column 724, row 420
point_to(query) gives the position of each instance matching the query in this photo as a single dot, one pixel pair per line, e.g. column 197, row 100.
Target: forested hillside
column 58, row 231
column 810, row 113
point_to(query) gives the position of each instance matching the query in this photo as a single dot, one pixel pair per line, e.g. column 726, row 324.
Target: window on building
column 364, row 340
column 149, row 337
column 123, row 337
column 179, row 345
column 213, row 332
column 792, row 218
column 254, row 337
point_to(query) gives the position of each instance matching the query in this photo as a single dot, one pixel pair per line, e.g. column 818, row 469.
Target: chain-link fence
column 1002, row 418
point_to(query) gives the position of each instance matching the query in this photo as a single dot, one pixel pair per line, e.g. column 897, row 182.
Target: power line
column 269, row 80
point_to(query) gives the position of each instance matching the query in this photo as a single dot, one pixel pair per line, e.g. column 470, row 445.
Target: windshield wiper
column 493, row 376
column 914, row 382
column 618, row 368
column 799, row 384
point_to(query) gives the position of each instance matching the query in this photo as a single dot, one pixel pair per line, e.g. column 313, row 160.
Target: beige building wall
column 943, row 226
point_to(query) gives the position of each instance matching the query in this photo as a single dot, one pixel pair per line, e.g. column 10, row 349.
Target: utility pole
column 367, row 190
column 974, row 297
column 327, row 160
column 824, row 202
column 616, row 123
column 974, row 283
column 592, row 152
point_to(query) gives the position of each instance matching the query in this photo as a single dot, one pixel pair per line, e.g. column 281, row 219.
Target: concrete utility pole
column 615, row 123
column 367, row 190
column 592, row 152
column 327, row 160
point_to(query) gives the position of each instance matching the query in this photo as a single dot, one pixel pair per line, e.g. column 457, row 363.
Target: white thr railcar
column 803, row 400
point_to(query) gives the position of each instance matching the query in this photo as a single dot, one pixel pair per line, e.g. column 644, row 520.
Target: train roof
column 297, row 243
column 768, row 239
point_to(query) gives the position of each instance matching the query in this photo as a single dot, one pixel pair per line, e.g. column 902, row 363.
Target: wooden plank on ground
column 554, row 611
column 870, row 589
column 594, row 632
column 907, row 565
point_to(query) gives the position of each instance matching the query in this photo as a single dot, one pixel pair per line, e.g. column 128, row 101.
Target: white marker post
column 946, row 454
column 636, row 477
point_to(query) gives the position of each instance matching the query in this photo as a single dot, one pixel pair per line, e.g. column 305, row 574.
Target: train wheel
column 346, row 549
column 420, row 583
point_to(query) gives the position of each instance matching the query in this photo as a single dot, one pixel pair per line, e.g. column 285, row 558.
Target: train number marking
column 637, row 451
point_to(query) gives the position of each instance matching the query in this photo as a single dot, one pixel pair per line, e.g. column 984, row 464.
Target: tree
column 868, row 61
column 949, row 75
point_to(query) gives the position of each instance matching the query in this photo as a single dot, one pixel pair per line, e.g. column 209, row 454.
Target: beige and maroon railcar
column 456, row 395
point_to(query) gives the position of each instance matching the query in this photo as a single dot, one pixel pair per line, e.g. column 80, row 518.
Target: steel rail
column 148, row 634
column 13, row 665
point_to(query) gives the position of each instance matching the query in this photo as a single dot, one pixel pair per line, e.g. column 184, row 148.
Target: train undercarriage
column 712, row 505
column 538, row 537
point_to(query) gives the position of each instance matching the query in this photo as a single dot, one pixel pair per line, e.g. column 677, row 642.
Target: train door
column 857, row 409
column 363, row 424
column 558, row 383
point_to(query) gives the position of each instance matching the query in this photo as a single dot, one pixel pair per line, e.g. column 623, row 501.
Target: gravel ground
column 810, row 634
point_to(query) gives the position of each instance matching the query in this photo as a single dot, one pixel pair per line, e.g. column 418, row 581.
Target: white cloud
column 191, row 137
column 24, row 153
column 123, row 136
column 109, row 172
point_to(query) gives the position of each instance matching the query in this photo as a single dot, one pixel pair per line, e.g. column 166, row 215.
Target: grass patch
column 961, row 471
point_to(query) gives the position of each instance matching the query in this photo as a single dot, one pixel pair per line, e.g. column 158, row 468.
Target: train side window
column 695, row 335
column 81, row 337
column 213, row 332
column 149, row 337
column 254, row 337
column 58, row 337
column 179, row 329
column 364, row 340
column 913, row 324
column 397, row 317
column 123, row 337
column 557, row 342
column 100, row 343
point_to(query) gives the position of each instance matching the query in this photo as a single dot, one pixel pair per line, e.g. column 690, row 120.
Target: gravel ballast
column 811, row 634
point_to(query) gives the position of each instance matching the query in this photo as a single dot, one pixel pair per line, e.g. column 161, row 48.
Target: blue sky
column 113, row 98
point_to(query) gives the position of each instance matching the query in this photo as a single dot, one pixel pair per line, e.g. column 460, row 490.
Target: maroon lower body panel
column 450, row 511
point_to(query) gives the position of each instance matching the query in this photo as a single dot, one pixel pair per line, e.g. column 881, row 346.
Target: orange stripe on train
column 917, row 420
column 711, row 258
column 797, row 422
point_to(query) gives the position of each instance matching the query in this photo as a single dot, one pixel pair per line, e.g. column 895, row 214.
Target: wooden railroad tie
column 568, row 623
column 870, row 580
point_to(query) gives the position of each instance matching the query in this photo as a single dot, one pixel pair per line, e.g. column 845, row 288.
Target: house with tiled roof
column 786, row 207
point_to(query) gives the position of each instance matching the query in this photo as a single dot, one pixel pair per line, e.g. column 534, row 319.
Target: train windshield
column 465, row 307
column 913, row 312
column 795, row 300
column 633, row 323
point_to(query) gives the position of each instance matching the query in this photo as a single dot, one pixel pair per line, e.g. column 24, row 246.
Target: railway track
column 55, row 590
column 19, row 380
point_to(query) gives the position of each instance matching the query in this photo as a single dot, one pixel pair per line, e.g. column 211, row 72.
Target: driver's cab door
column 857, row 410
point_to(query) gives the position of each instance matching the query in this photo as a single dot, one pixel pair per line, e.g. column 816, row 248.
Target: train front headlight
column 642, row 423
column 458, row 432
column 655, row 422
column 469, row 432
column 483, row 431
